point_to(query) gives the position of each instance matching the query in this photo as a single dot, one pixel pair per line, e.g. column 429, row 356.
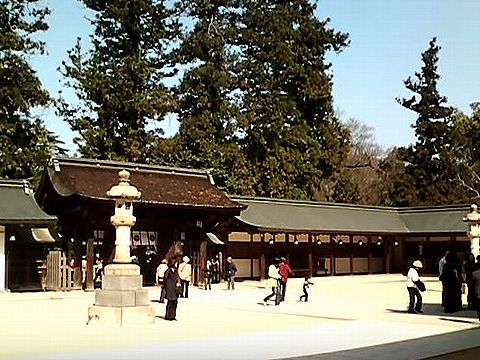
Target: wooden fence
column 60, row 276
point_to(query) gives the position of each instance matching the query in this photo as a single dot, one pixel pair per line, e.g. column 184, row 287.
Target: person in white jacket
column 160, row 273
column 415, row 298
column 273, row 282
column 185, row 274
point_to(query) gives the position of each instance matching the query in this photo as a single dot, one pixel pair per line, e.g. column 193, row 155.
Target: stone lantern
column 122, row 300
column 123, row 219
column 473, row 220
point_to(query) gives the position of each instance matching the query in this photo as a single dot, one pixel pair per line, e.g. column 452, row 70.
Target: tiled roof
column 158, row 184
column 297, row 216
column 19, row 206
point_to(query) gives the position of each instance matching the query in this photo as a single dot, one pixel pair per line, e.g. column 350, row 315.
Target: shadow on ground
column 437, row 310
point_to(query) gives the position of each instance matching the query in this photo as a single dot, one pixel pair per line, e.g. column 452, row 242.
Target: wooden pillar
column 80, row 236
column 262, row 257
column 89, row 285
column 369, row 247
column 203, row 261
column 332, row 258
column 350, row 244
column 310, row 256
column 387, row 254
column 252, row 249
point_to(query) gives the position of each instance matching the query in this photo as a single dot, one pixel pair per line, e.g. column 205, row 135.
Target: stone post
column 122, row 300
column 473, row 221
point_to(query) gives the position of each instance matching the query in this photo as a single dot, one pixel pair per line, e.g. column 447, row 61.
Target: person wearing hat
column 160, row 274
column 415, row 298
column 273, row 282
column 185, row 274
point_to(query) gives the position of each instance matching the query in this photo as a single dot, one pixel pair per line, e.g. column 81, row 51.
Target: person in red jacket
column 284, row 271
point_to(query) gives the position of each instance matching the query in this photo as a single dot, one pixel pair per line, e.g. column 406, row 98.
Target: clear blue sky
column 387, row 38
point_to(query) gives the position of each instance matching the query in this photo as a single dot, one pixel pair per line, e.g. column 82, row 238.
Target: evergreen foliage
column 120, row 82
column 430, row 163
column 290, row 136
column 25, row 143
column 206, row 111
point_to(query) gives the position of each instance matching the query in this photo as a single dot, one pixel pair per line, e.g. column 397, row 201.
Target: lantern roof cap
column 124, row 190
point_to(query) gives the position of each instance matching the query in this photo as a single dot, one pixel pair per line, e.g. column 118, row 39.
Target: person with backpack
column 413, row 282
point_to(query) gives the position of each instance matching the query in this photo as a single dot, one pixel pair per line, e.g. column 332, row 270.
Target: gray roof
column 17, row 205
column 297, row 216
column 438, row 219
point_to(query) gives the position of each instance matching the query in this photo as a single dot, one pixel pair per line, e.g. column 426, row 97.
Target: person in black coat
column 476, row 288
column 452, row 284
column 171, row 283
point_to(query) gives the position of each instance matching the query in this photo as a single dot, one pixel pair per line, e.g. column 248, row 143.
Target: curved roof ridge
column 129, row 165
column 311, row 203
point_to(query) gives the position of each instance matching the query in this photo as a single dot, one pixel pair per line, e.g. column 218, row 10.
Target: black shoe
column 411, row 312
column 419, row 311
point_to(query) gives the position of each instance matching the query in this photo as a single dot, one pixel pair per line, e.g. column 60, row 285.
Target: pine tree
column 292, row 138
column 119, row 83
column 25, row 143
column 431, row 161
column 206, row 112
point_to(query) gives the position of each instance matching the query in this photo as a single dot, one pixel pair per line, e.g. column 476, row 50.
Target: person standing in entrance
column 185, row 273
column 160, row 278
column 415, row 298
column 284, row 271
column 231, row 271
column 170, row 280
column 216, row 270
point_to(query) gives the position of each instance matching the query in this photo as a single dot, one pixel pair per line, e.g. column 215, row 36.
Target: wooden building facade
column 25, row 237
column 176, row 212
column 337, row 239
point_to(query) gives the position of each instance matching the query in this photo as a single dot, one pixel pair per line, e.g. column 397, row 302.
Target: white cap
column 418, row 264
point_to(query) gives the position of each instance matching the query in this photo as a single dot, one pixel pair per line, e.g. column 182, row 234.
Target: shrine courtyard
column 347, row 317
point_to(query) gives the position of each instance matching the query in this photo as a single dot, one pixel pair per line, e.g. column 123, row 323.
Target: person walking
column 415, row 298
column 170, row 280
column 160, row 278
column 476, row 286
column 285, row 271
column 208, row 275
column 185, row 273
column 231, row 271
column 306, row 288
column 273, row 282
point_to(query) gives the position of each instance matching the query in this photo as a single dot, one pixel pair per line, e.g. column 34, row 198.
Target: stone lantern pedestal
column 122, row 300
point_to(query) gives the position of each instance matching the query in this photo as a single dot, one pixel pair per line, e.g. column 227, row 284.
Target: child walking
column 306, row 288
